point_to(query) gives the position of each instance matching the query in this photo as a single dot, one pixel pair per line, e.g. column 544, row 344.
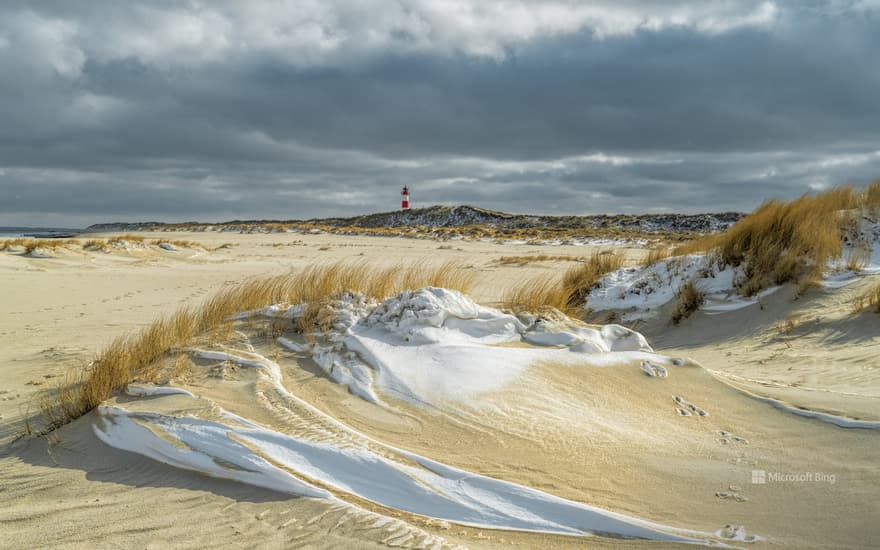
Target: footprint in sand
column 727, row 438
column 737, row 533
column 686, row 408
column 733, row 492
column 654, row 371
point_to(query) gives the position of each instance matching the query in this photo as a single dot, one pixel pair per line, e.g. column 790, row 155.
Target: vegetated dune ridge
column 603, row 429
column 470, row 222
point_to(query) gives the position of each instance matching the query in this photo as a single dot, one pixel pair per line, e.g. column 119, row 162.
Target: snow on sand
column 428, row 347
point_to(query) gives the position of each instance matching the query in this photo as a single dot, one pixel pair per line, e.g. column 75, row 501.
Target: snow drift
column 433, row 345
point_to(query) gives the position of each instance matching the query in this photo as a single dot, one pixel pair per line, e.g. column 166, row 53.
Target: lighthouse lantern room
column 405, row 194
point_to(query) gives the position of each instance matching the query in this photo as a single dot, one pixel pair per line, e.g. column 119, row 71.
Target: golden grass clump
column 568, row 294
column 122, row 239
column 871, row 197
column 536, row 294
column 869, row 300
column 655, row 255
column 688, row 300
column 95, row 245
column 29, row 245
column 786, row 241
column 140, row 355
column 9, row 244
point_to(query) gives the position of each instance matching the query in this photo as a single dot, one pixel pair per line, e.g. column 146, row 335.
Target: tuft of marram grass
column 688, row 300
column 142, row 354
column 871, row 198
column 869, row 300
column 655, row 255
column 29, row 245
column 568, row 293
column 788, row 241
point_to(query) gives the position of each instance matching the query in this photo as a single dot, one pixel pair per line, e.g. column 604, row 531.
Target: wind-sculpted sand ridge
column 595, row 409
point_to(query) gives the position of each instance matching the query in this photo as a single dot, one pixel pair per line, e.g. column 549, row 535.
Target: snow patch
column 436, row 345
column 398, row 479
column 136, row 390
column 641, row 291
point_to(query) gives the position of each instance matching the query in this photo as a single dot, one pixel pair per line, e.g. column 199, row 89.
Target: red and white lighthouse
column 405, row 194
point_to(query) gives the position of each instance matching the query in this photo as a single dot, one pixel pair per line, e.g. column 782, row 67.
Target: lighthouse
column 405, row 194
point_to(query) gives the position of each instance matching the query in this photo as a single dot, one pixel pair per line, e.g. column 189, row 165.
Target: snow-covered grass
column 434, row 344
column 790, row 241
column 139, row 355
column 40, row 248
column 641, row 291
column 832, row 238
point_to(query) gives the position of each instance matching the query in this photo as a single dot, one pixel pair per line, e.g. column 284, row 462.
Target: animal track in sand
column 727, row 437
column 654, row 371
column 686, row 408
column 733, row 492
column 737, row 533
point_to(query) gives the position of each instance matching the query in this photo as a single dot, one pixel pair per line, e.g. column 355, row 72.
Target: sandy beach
column 606, row 436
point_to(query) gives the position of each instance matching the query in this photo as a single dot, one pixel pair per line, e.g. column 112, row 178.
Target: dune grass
column 788, row 241
column 655, row 255
column 567, row 293
column 869, row 300
column 688, row 299
column 140, row 355
column 872, row 198
column 30, row 245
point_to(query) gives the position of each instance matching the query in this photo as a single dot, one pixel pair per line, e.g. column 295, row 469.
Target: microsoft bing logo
column 759, row 477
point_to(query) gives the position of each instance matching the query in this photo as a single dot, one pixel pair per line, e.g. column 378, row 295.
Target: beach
column 603, row 435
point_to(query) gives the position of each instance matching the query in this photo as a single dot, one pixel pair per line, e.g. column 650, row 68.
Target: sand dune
column 578, row 432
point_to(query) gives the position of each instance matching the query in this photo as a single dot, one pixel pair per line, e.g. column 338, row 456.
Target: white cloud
column 43, row 46
column 313, row 32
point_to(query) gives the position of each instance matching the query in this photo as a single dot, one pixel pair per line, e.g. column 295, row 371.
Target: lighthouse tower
column 405, row 194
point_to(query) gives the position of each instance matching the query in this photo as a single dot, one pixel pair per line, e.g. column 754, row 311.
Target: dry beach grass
column 138, row 356
column 792, row 241
column 567, row 292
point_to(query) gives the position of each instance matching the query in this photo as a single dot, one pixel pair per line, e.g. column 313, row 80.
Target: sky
column 187, row 110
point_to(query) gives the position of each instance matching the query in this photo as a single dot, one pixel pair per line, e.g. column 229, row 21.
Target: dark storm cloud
column 166, row 111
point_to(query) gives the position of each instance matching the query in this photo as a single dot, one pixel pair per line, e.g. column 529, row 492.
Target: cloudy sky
column 180, row 110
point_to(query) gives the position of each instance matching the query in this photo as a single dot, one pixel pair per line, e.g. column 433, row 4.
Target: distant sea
column 38, row 232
